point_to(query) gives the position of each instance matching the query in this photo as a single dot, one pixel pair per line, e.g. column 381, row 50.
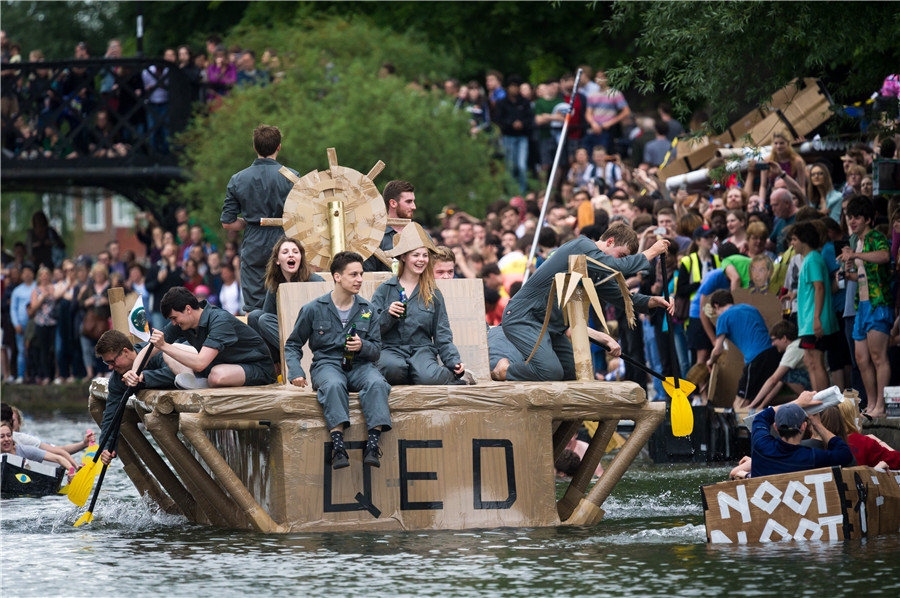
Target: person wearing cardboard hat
column 553, row 359
column 416, row 332
column 783, row 453
column 345, row 339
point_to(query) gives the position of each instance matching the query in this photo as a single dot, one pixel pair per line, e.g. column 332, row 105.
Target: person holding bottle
column 327, row 323
column 412, row 314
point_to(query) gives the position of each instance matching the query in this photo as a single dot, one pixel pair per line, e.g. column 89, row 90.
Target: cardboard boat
column 457, row 457
column 830, row 504
column 21, row 477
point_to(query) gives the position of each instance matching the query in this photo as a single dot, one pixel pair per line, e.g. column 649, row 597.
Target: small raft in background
column 831, row 503
column 21, row 477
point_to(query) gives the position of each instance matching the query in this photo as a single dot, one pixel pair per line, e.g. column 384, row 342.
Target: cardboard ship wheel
column 306, row 215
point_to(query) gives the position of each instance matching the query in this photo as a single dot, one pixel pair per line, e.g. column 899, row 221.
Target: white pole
column 550, row 181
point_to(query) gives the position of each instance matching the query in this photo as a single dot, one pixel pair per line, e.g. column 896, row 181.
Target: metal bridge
column 94, row 123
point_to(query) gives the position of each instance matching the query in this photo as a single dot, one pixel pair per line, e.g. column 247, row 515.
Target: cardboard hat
column 412, row 237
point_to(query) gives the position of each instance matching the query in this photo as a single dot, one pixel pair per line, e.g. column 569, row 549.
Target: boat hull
column 20, row 477
column 830, row 504
column 457, row 457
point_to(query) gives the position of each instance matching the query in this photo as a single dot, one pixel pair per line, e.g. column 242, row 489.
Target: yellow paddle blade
column 89, row 453
column 64, row 490
column 86, row 518
column 681, row 413
column 81, row 484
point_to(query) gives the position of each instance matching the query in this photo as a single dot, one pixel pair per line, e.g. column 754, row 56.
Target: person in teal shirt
column 815, row 314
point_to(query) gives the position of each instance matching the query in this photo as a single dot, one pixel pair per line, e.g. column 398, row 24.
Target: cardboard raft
column 457, row 457
column 821, row 504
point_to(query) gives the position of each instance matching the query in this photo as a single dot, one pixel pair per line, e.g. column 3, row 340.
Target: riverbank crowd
column 812, row 234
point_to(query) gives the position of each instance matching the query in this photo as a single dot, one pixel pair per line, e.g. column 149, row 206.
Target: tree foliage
column 726, row 55
column 332, row 96
column 55, row 27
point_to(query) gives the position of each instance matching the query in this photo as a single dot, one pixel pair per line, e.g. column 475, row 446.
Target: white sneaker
column 19, row 380
column 469, row 378
column 57, row 381
column 189, row 381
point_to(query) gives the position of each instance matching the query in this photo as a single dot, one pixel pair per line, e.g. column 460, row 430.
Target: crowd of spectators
column 740, row 232
column 55, row 307
column 110, row 111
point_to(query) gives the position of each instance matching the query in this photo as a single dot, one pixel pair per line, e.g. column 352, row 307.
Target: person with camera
column 162, row 276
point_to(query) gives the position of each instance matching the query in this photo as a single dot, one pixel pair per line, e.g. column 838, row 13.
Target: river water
column 651, row 543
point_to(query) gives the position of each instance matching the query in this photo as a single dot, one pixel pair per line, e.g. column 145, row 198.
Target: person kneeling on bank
column 223, row 350
column 345, row 339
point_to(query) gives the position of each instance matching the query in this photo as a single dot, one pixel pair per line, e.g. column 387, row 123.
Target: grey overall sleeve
column 380, row 304
column 293, row 348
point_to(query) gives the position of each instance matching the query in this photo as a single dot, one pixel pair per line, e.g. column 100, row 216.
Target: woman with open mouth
column 286, row 264
column 415, row 329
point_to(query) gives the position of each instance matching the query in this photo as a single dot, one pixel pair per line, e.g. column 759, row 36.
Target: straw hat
column 412, row 237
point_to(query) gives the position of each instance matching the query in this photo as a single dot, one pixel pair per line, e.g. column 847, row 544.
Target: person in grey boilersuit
column 327, row 323
column 254, row 193
column 524, row 314
column 286, row 264
column 415, row 334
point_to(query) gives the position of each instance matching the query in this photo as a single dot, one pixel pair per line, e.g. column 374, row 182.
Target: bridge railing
column 77, row 113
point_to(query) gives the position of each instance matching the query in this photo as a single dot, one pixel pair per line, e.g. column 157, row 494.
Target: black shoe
column 372, row 454
column 339, row 458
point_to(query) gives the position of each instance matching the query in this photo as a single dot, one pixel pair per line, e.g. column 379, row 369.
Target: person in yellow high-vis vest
column 691, row 271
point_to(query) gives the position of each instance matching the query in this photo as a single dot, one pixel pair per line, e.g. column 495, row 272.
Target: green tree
column 332, row 96
column 55, row 27
column 725, row 56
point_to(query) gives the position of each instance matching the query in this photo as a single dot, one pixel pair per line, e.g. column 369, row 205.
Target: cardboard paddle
column 681, row 414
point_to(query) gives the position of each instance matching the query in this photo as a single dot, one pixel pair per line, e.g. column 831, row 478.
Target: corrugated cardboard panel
column 794, row 506
column 768, row 305
column 439, row 471
column 881, row 490
column 725, row 376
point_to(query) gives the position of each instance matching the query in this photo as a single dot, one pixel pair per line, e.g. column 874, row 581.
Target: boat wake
column 667, row 504
column 124, row 515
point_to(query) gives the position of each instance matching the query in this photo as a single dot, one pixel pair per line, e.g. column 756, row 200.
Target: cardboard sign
column 821, row 504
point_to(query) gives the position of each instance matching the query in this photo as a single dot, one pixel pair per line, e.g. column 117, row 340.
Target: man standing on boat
column 345, row 339
column 257, row 192
column 122, row 357
column 400, row 202
column 524, row 315
column 223, row 350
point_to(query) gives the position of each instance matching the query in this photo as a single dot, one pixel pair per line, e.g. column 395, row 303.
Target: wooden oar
column 681, row 414
column 80, row 486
